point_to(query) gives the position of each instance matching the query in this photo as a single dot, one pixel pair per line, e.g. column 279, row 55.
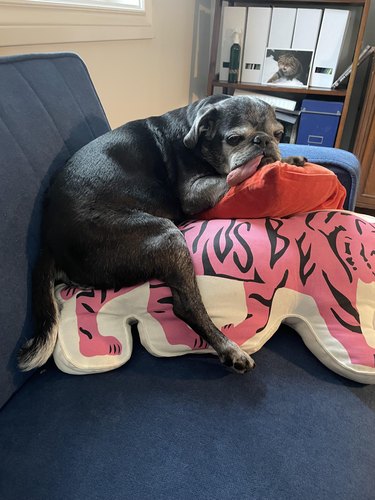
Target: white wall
column 138, row 78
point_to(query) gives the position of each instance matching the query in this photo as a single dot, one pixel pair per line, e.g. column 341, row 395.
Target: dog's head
column 235, row 132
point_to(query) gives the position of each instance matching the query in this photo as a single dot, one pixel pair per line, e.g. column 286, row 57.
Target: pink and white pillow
column 312, row 271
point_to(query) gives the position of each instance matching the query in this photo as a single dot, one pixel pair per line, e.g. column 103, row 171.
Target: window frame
column 107, row 5
column 47, row 22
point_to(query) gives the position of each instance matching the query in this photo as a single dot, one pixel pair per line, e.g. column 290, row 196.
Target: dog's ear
column 204, row 123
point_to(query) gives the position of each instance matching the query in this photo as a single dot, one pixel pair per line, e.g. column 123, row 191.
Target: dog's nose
column 261, row 141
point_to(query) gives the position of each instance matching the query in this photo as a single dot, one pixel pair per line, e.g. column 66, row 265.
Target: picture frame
column 287, row 67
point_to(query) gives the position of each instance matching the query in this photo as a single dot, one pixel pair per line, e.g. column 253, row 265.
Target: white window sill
column 27, row 23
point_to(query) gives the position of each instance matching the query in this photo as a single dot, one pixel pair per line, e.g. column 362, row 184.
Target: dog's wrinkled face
column 236, row 132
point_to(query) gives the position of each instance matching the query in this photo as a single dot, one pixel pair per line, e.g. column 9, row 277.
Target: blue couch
column 157, row 428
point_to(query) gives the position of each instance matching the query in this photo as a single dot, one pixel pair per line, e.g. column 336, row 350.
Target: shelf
column 310, row 3
column 360, row 6
column 275, row 88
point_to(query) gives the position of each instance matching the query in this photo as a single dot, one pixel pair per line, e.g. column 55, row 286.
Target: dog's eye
column 279, row 134
column 233, row 140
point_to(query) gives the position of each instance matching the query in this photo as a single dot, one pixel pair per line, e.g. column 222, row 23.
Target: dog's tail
column 38, row 349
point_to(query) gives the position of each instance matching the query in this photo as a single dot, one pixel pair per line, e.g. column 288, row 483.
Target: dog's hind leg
column 141, row 247
column 188, row 306
column 173, row 265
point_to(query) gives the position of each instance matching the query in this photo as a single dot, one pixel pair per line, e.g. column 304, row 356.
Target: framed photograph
column 287, row 67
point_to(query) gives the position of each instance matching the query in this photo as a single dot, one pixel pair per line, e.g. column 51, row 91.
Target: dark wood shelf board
column 275, row 88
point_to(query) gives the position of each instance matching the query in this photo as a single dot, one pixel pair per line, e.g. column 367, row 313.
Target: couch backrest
column 48, row 110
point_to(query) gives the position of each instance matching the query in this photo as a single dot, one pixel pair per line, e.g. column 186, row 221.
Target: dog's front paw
column 237, row 359
column 298, row 161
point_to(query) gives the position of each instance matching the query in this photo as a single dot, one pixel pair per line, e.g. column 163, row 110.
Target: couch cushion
column 48, row 110
column 186, row 428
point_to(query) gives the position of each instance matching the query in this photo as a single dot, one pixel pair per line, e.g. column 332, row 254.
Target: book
column 257, row 28
column 330, row 47
column 282, row 27
column 306, row 29
column 365, row 53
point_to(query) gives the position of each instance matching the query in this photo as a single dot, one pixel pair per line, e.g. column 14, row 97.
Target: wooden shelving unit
column 342, row 94
column 364, row 146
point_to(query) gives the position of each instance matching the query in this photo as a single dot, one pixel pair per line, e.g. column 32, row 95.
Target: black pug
column 110, row 215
